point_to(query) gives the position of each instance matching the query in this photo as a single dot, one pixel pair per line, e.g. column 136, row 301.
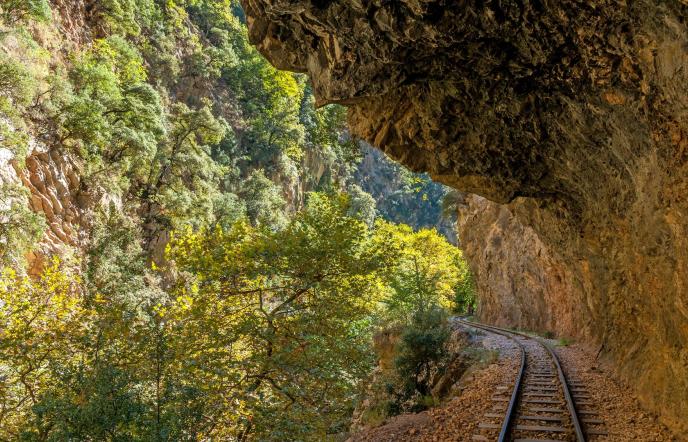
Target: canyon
column 569, row 119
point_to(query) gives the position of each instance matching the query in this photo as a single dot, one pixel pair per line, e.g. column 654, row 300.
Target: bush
column 14, row 12
column 465, row 299
column 17, row 89
column 16, row 83
column 422, row 345
column 20, row 227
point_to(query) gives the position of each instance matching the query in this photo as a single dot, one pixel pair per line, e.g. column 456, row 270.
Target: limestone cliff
column 54, row 183
column 574, row 114
column 53, row 169
column 521, row 282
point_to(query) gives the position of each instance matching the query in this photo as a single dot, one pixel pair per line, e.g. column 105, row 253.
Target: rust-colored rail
column 511, row 410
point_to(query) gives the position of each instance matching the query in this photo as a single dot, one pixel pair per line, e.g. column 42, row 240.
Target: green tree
column 40, row 321
column 465, row 298
column 182, row 178
column 422, row 344
column 282, row 312
column 20, row 227
column 257, row 323
column 17, row 90
column 426, row 273
column 108, row 114
column 264, row 202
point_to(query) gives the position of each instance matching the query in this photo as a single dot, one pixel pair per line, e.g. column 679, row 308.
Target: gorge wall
column 401, row 196
column 572, row 116
column 520, row 281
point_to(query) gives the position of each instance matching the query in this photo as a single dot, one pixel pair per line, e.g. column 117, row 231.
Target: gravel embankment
column 615, row 403
column 457, row 419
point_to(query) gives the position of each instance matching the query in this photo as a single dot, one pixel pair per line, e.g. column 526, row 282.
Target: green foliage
column 17, row 90
column 326, row 132
column 183, row 178
column 122, row 16
column 362, row 205
column 108, row 115
column 256, row 325
column 38, row 323
column 103, row 407
column 116, row 264
column 420, row 284
column 426, row 271
column 422, row 344
column 282, row 312
column 230, row 208
column 465, row 292
column 20, row 227
column 403, row 196
column 16, row 83
column 13, row 12
column 264, row 202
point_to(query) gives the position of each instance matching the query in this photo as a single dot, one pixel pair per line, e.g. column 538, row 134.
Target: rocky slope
column 401, row 196
column 48, row 169
column 573, row 114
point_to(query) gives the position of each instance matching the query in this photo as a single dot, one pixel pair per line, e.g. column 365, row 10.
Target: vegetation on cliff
column 218, row 273
column 402, row 196
column 264, row 334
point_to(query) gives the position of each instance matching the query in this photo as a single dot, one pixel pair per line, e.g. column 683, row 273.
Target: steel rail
column 511, row 408
column 580, row 436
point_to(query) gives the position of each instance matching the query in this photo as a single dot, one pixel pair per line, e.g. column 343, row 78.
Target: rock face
column 56, row 192
column 398, row 198
column 521, row 283
column 574, row 115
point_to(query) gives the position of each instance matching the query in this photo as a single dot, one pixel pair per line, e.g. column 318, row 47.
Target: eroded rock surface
column 522, row 284
column 56, row 192
column 574, row 115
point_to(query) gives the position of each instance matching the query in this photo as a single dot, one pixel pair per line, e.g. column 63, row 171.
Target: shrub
column 14, row 12
column 16, row 83
column 17, row 89
column 20, row 227
column 422, row 345
column 464, row 294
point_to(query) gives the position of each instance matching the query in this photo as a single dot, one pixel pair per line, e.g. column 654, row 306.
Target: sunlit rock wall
column 521, row 283
column 575, row 115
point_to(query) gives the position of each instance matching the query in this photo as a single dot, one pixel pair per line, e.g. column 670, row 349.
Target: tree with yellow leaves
column 40, row 322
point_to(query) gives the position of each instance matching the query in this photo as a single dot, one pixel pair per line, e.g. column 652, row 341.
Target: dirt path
column 457, row 419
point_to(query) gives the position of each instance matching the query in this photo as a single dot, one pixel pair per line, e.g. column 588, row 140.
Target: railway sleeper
column 541, row 401
column 545, row 410
column 537, row 440
column 541, row 428
column 541, row 418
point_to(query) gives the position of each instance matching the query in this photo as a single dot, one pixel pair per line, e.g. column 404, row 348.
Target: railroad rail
column 543, row 405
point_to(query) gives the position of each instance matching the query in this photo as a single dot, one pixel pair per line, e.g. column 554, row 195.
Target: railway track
column 541, row 404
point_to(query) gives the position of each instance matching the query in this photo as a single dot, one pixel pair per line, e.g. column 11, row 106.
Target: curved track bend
column 541, row 404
